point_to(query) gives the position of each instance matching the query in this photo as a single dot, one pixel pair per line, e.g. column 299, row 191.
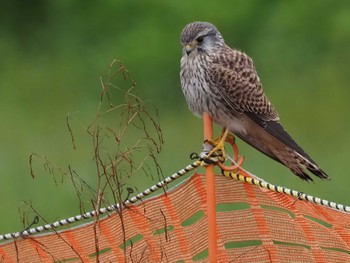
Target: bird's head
column 200, row 37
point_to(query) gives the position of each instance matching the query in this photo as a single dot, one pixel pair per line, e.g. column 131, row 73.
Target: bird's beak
column 188, row 49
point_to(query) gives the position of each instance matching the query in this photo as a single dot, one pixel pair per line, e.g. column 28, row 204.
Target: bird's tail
column 291, row 155
column 298, row 163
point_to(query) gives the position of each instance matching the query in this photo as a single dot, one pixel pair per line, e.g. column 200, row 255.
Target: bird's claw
column 214, row 151
column 216, row 148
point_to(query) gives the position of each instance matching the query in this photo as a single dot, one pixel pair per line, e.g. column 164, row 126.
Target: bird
column 224, row 83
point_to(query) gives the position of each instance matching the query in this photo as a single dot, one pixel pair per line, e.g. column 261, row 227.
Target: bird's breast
column 202, row 96
column 195, row 85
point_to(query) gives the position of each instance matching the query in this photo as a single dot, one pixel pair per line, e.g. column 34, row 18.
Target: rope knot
column 215, row 158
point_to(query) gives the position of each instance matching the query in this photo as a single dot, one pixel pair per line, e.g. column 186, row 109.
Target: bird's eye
column 200, row 40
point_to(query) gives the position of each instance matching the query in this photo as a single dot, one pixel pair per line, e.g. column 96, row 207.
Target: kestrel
column 223, row 82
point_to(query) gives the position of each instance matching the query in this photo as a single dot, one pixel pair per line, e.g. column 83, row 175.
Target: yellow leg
column 219, row 143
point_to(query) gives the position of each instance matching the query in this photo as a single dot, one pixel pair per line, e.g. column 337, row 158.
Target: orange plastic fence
column 253, row 225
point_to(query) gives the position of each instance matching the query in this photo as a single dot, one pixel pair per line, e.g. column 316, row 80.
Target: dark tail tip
column 302, row 175
column 318, row 172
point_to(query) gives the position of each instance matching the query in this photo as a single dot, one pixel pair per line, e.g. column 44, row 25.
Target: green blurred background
column 54, row 52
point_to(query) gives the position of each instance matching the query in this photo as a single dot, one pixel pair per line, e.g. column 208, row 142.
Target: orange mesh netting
column 253, row 225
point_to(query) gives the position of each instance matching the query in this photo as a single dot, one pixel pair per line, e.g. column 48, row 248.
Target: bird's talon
column 216, row 148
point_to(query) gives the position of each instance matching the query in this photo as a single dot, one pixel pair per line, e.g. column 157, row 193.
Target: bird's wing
column 233, row 75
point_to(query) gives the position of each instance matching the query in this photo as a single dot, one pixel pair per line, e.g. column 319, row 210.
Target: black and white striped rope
column 104, row 210
column 284, row 190
column 202, row 161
